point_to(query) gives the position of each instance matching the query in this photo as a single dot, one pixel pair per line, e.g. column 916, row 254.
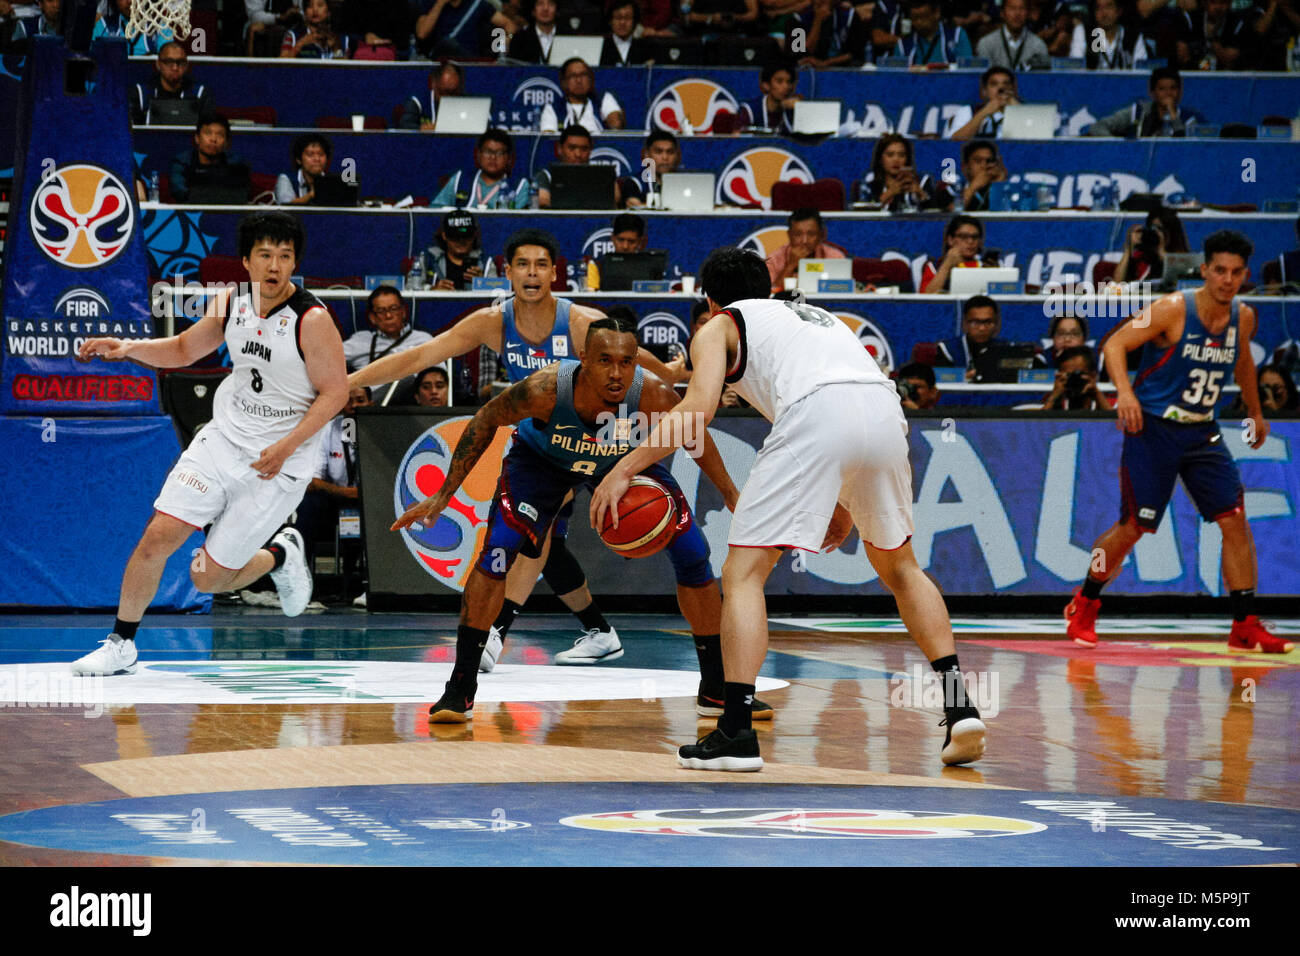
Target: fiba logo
column 81, row 302
column 608, row 156
column 689, row 104
column 748, row 179
column 871, row 336
column 765, row 241
column 526, row 103
column 446, row 550
column 599, row 243
column 82, row 216
column 662, row 328
column 785, row 823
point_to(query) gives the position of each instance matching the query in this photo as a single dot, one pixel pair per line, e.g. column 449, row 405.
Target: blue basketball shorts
column 1156, row 457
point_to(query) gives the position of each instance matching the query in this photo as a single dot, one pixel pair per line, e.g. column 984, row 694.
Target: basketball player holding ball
column 559, row 445
column 836, row 457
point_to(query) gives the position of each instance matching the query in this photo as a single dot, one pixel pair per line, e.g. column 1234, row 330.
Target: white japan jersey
column 789, row 349
column 268, row 391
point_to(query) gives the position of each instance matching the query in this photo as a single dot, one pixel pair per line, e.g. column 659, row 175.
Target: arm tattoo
column 534, row 396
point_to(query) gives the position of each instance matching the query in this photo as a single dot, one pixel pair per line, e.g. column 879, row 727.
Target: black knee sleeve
column 562, row 571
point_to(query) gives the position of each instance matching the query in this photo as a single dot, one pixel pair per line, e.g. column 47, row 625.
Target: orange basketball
column 647, row 519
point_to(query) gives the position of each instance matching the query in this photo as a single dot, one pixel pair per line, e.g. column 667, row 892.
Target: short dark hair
column 628, row 222
column 573, row 129
column 303, row 140
column 435, row 69
column 1083, row 324
column 918, row 370
column 564, row 67
column 730, row 274
column 663, row 134
column 273, row 225
column 625, row 312
column 1230, row 241
column 1077, row 351
column 980, row 302
column 1165, row 73
column 176, row 43
column 697, row 307
column 994, row 71
column 611, row 323
column 212, row 118
column 913, row 4
column 495, row 135
column 956, row 222
column 775, row 67
column 432, row 370
column 384, row 290
column 619, row 5
column 532, row 237
column 803, row 214
column 968, row 150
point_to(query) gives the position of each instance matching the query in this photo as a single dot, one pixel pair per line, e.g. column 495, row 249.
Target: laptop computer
column 463, row 114
column 687, row 192
column 975, row 280
column 1029, row 121
column 812, row 271
column 816, row 117
column 174, row 113
column 224, row 185
column 332, row 190
column 586, row 48
column 618, row 270
column 577, row 186
column 1003, row 363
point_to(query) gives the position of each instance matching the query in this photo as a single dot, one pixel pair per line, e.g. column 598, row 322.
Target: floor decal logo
column 805, row 824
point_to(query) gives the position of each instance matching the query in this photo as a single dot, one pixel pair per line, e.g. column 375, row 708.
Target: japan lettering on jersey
column 1184, row 382
column 521, row 357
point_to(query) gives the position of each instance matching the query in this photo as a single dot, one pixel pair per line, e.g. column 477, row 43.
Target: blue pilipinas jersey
column 522, row 358
column 1183, row 383
column 567, row 442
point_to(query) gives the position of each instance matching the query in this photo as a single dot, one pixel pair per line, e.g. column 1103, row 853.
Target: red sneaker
column 1250, row 635
column 1081, row 619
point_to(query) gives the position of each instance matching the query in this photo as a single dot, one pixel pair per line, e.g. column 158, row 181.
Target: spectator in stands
column 263, row 14
column 432, row 388
column 573, row 147
column 334, row 485
column 659, row 18
column 171, row 81
column 1066, row 332
column 709, row 18
column 44, row 23
column 419, row 112
column 981, row 167
column 916, row 386
column 1212, row 37
column 622, row 45
column 311, row 154
column 533, row 43
column 391, row 332
column 1284, row 271
column 931, row 40
column 112, row 22
column 997, row 91
column 456, row 255
column 1013, row 45
column 628, row 234
column 1277, row 391
column 211, row 148
column 981, row 321
column 317, row 38
column 1161, row 115
column 807, row 240
column 773, row 110
column 1145, row 247
column 487, row 186
column 384, row 27
column 662, row 148
column 973, row 16
column 963, row 247
column 1275, row 23
column 458, row 28
column 1075, row 386
column 1122, row 47
column 579, row 85
column 837, row 33
column 893, row 181
column 1053, row 23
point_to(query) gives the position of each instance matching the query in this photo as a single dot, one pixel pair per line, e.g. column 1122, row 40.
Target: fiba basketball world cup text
column 638, row 428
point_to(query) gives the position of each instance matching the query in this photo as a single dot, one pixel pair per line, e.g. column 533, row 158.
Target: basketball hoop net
column 151, row 17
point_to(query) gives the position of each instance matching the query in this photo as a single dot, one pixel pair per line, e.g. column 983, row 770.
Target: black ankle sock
column 737, row 709
column 1243, row 603
column 591, row 618
column 277, row 554
column 954, row 691
column 469, row 649
column 126, row 629
column 1092, row 588
column 509, row 611
column 708, row 648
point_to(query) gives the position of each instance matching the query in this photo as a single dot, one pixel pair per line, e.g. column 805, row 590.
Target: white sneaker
column 592, row 648
column 491, row 651
column 292, row 579
column 113, row 656
column 359, row 600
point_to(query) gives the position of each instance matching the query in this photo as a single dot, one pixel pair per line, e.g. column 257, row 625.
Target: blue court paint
column 703, row 820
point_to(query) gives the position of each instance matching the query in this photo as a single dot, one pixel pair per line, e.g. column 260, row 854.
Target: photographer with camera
column 1075, row 388
column 456, row 257
column 1146, row 246
column 916, row 386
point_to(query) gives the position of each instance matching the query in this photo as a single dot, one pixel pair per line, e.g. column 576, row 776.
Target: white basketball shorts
column 844, row 443
column 214, row 482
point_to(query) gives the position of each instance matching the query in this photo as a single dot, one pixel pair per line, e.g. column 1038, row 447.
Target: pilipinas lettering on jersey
column 789, row 349
column 568, row 442
column 1183, row 383
column 268, row 390
column 522, row 358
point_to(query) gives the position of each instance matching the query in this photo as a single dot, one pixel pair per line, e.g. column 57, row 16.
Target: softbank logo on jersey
column 77, row 909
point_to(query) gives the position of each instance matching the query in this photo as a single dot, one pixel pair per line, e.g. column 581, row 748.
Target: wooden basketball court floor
column 247, row 737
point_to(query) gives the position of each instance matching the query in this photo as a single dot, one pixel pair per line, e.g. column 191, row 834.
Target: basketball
column 647, row 519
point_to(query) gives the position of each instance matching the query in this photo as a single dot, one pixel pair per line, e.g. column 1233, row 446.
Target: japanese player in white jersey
column 246, row 471
column 836, row 457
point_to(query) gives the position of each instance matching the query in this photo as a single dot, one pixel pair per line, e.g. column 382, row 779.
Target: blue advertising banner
column 75, row 265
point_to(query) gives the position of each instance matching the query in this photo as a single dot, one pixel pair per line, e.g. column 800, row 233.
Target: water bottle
column 532, row 196
column 415, row 278
column 909, row 203
column 1103, row 197
column 155, row 188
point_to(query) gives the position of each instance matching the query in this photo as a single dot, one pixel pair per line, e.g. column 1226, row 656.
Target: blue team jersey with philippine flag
column 1183, row 383
column 521, row 357
column 568, row 442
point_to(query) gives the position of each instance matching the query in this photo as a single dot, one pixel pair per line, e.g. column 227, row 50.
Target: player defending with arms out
column 836, row 457
column 1196, row 340
column 246, row 471
column 563, row 441
column 529, row 332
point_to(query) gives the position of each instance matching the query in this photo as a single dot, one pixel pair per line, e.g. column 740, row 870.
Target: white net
column 151, row 17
